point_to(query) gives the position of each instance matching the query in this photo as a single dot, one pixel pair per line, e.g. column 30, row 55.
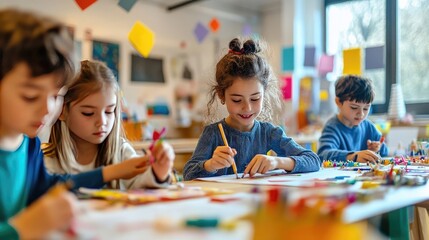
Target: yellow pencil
column 234, row 167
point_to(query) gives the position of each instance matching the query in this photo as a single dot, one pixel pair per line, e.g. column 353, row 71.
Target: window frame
column 391, row 56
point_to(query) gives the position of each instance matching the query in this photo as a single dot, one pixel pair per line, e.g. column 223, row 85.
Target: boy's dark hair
column 245, row 62
column 42, row 43
column 354, row 88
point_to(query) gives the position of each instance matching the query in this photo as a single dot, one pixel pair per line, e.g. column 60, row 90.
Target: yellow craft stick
column 234, row 167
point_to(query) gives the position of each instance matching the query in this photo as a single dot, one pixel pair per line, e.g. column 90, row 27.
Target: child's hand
column 49, row 213
column 164, row 160
column 126, row 169
column 364, row 156
column 222, row 157
column 261, row 164
column 373, row 145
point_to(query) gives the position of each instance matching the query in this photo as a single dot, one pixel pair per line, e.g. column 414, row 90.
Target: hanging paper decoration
column 83, row 4
column 214, row 25
column 247, row 30
column 200, row 32
column 142, row 38
column 352, row 61
column 127, row 4
column 310, row 56
column 326, row 64
column 288, row 54
column 374, row 57
column 286, row 89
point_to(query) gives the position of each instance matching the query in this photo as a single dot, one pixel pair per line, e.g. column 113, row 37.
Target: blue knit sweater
column 338, row 140
column 259, row 140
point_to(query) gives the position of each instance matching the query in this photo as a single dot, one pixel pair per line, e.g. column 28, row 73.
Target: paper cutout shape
column 200, row 32
column 83, row 4
column 107, row 52
column 214, row 25
column 374, row 57
column 127, row 4
column 352, row 61
column 310, row 56
column 142, row 38
column 326, row 64
column 287, row 87
column 324, row 95
column 288, row 56
column 247, row 30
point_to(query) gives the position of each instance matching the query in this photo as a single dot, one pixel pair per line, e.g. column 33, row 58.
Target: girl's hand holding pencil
column 222, row 133
column 223, row 157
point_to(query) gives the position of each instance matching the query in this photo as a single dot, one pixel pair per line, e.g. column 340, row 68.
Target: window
column 414, row 50
column 368, row 23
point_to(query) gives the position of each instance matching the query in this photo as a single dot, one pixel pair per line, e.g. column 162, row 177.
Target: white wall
column 290, row 22
column 108, row 22
column 295, row 23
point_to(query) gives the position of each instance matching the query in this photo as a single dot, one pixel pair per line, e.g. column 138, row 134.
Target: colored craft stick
column 155, row 137
column 234, row 167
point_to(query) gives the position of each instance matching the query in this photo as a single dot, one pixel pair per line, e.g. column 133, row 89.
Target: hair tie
column 236, row 52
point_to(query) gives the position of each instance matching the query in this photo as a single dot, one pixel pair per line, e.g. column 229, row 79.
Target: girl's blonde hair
column 246, row 62
column 93, row 77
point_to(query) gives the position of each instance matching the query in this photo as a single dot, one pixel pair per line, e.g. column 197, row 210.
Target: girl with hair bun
column 246, row 85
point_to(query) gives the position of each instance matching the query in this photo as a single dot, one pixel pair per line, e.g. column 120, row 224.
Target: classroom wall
column 297, row 23
column 290, row 22
column 108, row 22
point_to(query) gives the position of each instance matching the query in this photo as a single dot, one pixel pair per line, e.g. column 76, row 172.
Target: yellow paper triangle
column 142, row 38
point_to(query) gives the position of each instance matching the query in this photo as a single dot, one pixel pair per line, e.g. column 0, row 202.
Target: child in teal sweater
column 35, row 57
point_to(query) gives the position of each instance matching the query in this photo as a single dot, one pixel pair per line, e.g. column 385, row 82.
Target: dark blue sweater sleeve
column 207, row 143
column 39, row 180
column 305, row 160
column 330, row 145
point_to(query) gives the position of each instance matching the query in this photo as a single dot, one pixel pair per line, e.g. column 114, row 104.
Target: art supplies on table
column 143, row 196
column 196, row 218
column 156, row 137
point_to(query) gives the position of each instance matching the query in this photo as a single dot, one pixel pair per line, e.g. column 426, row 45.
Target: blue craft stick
column 341, row 177
column 202, row 222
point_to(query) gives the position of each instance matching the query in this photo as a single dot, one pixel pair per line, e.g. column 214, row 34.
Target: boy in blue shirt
column 349, row 135
column 35, row 61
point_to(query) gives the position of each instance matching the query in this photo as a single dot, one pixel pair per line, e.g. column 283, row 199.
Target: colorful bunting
column 127, row 4
column 247, row 30
column 374, row 57
column 142, row 38
column 352, row 61
column 83, row 4
column 286, row 89
column 326, row 64
column 214, row 25
column 288, row 59
column 200, row 32
column 310, row 56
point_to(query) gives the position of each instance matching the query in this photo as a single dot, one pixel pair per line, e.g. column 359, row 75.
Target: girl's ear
column 63, row 114
column 221, row 97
